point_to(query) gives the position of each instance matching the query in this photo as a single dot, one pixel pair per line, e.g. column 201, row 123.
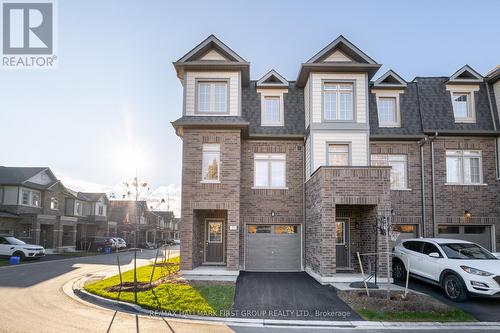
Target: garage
column 273, row 248
column 405, row 231
column 480, row 234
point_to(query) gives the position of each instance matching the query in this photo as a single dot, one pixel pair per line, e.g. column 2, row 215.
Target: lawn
column 449, row 316
column 187, row 298
column 4, row 262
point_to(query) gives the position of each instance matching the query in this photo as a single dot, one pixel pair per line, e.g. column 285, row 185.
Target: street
column 33, row 301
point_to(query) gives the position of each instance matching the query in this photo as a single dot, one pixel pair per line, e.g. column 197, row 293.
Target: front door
column 214, row 236
column 342, row 244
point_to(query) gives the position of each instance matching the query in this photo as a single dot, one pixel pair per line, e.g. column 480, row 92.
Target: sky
column 105, row 111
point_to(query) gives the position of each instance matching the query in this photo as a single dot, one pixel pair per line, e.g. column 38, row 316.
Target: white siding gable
column 213, row 55
column 360, row 89
column 337, row 56
column 41, row 178
column 233, row 90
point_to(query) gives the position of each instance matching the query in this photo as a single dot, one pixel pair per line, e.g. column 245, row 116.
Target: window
column 54, row 204
column 405, row 228
column 338, row 154
column 463, row 167
column 100, row 210
column 211, row 163
column 285, row 229
column 259, row 229
column 430, row 248
column 399, row 178
column 272, row 114
column 78, row 208
column 448, row 229
column 215, row 232
column 387, row 112
column 462, row 106
column 340, row 233
column 338, row 101
column 475, row 229
column 31, row 198
column 413, row 246
column 270, row 170
column 212, row 97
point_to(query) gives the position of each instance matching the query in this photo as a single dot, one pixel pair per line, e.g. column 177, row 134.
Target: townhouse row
column 38, row 209
column 282, row 175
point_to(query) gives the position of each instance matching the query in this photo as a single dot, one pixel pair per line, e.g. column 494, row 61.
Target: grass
column 450, row 316
column 4, row 262
column 194, row 298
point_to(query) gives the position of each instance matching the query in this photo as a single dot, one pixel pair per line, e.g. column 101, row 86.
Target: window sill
column 30, row 206
column 389, row 125
column 400, row 189
column 272, row 125
column 465, row 121
column 210, row 182
column 464, row 184
column 269, row 188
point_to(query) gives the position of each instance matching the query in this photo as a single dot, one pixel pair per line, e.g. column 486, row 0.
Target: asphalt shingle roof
column 18, row 175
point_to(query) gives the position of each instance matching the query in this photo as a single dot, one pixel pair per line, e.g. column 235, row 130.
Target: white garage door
column 480, row 234
column 273, row 248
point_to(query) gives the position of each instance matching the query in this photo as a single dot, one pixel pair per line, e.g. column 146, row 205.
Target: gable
column 41, row 178
column 337, row 56
column 466, row 75
column 341, row 50
column 272, row 79
column 390, row 80
column 213, row 55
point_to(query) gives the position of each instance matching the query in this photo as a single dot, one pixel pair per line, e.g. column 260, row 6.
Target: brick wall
column 199, row 196
column 257, row 204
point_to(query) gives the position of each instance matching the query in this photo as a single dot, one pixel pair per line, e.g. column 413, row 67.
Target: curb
column 74, row 289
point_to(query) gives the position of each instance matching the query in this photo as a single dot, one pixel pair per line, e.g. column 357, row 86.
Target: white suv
column 11, row 246
column 461, row 268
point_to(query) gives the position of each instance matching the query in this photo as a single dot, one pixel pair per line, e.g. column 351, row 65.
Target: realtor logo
column 28, row 34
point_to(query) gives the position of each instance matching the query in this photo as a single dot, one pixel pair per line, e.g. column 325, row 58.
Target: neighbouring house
column 133, row 218
column 37, row 208
column 169, row 220
column 283, row 175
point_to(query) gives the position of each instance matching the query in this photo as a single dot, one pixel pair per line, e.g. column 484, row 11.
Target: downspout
column 303, row 254
column 433, row 186
column 422, row 171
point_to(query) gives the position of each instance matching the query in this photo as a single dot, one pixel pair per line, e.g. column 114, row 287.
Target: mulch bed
column 397, row 303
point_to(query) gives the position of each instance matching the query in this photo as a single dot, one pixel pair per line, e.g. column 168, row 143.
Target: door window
column 340, row 233
column 215, row 232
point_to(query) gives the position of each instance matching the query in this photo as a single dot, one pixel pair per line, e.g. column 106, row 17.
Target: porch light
column 467, row 214
column 273, row 213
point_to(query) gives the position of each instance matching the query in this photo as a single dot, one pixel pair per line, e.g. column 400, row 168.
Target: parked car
column 96, row 243
column 460, row 267
column 11, row 246
column 148, row 245
column 169, row 242
column 121, row 244
column 177, row 241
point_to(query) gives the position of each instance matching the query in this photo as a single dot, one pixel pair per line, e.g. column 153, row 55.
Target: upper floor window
column 338, row 154
column 270, row 170
column 398, row 164
column 54, row 203
column 463, row 167
column 462, row 106
column 388, row 115
column 211, row 163
column 100, row 210
column 31, row 198
column 272, row 112
column 212, row 97
column 338, row 101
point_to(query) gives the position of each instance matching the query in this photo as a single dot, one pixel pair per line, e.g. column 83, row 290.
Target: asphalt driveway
column 483, row 309
column 288, row 296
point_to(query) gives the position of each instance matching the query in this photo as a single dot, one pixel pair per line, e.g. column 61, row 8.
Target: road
column 32, row 300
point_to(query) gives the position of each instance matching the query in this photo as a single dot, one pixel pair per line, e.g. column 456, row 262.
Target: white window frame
column 210, row 148
column 78, row 212
column 263, row 119
column 212, row 83
column 386, row 159
column 100, row 209
column 30, row 198
column 269, row 158
column 470, row 90
column 335, row 88
column 460, row 153
column 396, row 123
column 54, row 203
column 328, row 153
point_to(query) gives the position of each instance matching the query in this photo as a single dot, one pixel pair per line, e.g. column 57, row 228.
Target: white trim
column 269, row 158
column 471, row 102
column 210, row 148
column 389, row 94
column 461, row 176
